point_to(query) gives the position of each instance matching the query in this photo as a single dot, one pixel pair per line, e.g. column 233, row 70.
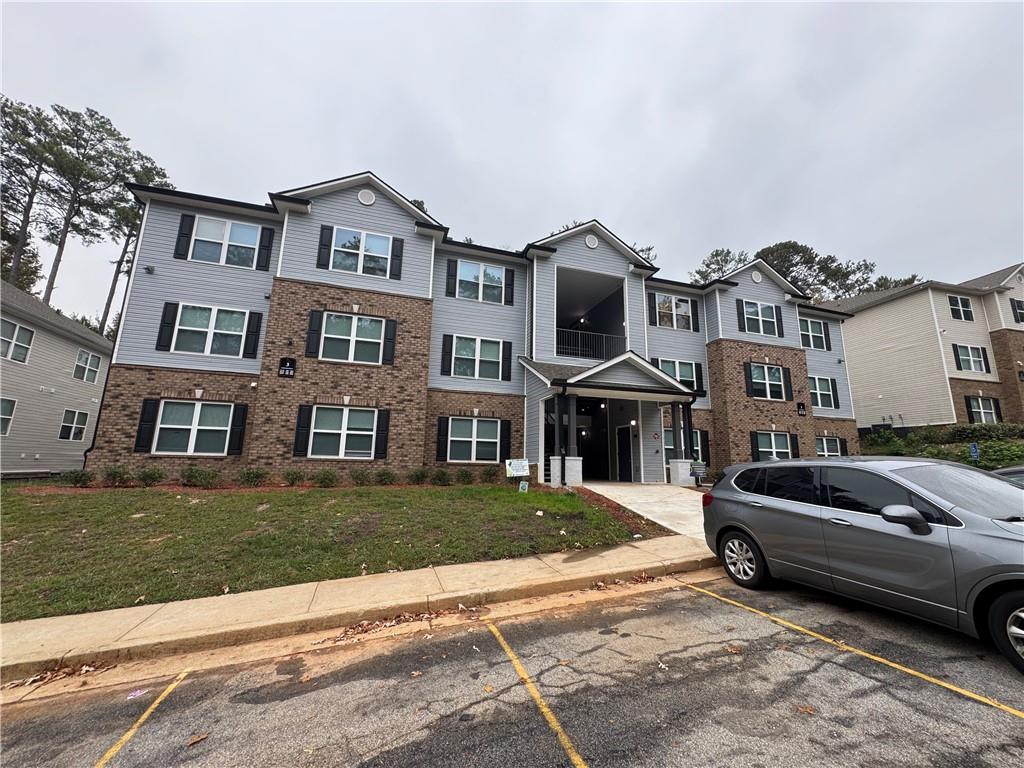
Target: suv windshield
column 971, row 489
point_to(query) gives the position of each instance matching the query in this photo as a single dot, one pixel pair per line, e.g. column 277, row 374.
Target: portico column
column 687, row 431
column 573, row 447
column 573, row 463
column 677, row 433
column 556, row 457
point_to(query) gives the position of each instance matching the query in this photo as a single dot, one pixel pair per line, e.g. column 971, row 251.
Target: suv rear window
column 750, row 481
column 791, row 484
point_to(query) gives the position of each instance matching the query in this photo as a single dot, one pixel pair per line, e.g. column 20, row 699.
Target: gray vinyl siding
column 342, row 209
column 768, row 292
column 188, row 282
column 573, row 253
column 480, row 319
column 652, row 453
column 673, row 344
column 824, row 363
column 711, row 304
column 536, row 390
column 44, row 387
column 624, row 373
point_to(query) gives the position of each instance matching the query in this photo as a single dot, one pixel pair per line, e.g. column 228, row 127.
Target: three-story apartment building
column 339, row 326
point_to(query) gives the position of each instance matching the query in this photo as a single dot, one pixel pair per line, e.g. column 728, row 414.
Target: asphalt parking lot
column 668, row 678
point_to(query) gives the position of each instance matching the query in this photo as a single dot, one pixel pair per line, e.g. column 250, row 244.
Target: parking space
column 675, row 677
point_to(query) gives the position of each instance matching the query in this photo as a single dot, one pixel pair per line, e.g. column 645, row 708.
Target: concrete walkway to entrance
column 671, row 506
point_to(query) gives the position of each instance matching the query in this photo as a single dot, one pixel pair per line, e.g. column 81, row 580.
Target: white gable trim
column 638, row 362
column 761, row 263
column 615, row 241
column 535, row 372
column 345, row 182
column 1015, row 272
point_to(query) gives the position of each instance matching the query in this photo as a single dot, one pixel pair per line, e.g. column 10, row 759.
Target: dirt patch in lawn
column 634, row 522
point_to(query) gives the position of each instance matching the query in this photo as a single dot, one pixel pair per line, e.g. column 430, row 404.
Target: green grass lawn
column 70, row 552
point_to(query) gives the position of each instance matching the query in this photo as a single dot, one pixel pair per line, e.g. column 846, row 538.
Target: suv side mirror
column 902, row 514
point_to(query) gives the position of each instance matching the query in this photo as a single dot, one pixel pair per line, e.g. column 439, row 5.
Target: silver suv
column 938, row 540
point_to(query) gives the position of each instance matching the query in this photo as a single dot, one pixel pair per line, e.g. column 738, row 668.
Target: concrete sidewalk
column 673, row 507
column 107, row 637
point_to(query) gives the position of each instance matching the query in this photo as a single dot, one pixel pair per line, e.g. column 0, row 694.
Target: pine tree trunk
column 113, row 282
column 62, row 241
column 26, row 219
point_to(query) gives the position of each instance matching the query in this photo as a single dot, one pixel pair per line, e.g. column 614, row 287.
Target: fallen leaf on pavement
column 661, row 666
column 197, row 738
column 735, row 649
column 488, row 689
column 805, row 710
column 563, row 662
column 417, row 673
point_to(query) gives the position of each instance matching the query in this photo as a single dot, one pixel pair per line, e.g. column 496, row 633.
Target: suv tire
column 743, row 560
column 1005, row 615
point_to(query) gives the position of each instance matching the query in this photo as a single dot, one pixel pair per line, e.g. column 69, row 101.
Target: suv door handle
column 840, row 522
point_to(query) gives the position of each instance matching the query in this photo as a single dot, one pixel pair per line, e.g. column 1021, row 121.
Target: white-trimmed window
column 773, row 445
column 72, row 426
column 220, row 241
column 365, row 253
column 209, row 330
column 821, row 392
column 960, row 308
column 7, row 406
column 188, row 427
column 670, row 444
column 681, row 370
column 87, row 366
column 342, row 433
column 15, row 341
column 473, row 440
column 481, row 282
column 767, row 381
column 673, row 312
column 352, row 338
column 760, row 318
column 983, row 410
column 474, row 358
column 812, row 333
column 970, row 358
column 827, row 446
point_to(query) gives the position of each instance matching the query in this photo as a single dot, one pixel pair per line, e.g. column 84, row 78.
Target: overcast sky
column 889, row 133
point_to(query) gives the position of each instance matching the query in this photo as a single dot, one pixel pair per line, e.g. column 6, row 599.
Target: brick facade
column 442, row 402
column 1008, row 354
column 962, row 388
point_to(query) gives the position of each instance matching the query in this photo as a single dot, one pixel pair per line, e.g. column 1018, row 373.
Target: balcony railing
column 594, row 346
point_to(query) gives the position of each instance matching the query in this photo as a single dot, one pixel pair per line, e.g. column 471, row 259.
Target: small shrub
column 293, row 476
column 419, row 476
column 360, row 476
column 116, row 476
column 490, row 474
column 440, row 477
column 325, row 478
column 79, row 478
column 463, row 476
column 385, row 477
column 149, row 476
column 253, row 476
column 200, row 477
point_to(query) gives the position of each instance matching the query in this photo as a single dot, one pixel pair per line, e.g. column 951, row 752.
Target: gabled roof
column 853, row 304
column 596, row 226
column 773, row 273
column 23, row 305
column 994, row 279
column 274, row 210
column 366, row 177
column 632, row 358
column 559, row 375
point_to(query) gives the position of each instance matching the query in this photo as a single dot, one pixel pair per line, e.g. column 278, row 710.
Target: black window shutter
column 442, row 438
column 698, row 375
column 505, row 451
column 147, row 426
column 835, row 393
column 656, row 362
column 652, row 309
column 967, row 405
column 397, row 248
column 313, row 332
column 184, row 239
column 787, row 384
column 999, row 411
column 165, row 334
column 741, row 322
column 266, row 244
column 755, row 454
column 390, row 333
column 252, row 334
column 451, row 278
column 705, row 447
column 843, row 448
column 237, row 433
column 956, row 358
column 794, row 446
column 694, row 317
column 446, row 355
column 510, row 286
column 380, row 443
column 984, row 360
column 506, row 361
column 302, row 427
column 323, row 251
column 749, row 379
column 778, row 322
column 828, row 336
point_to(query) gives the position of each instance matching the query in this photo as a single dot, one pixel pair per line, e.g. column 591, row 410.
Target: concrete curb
column 106, row 655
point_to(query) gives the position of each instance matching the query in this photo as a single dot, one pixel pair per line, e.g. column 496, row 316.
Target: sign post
column 515, row 468
column 975, row 452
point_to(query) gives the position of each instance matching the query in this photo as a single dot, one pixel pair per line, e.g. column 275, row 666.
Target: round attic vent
column 591, row 241
column 366, row 197
column 755, row 276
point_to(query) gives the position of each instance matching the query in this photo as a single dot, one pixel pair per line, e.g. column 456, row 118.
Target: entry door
column 885, row 563
column 624, row 454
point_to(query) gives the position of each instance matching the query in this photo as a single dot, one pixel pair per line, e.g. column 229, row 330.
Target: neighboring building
column 51, row 383
column 938, row 353
column 339, row 326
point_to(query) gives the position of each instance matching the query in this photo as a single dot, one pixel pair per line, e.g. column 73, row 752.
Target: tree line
column 63, row 175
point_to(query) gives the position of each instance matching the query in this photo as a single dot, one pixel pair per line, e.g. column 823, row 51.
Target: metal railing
column 595, row 346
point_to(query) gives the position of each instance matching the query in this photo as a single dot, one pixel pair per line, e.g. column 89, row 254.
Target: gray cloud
column 887, row 132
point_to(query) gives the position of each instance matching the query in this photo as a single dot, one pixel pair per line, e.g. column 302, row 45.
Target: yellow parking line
column 138, row 723
column 563, row 737
column 867, row 655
